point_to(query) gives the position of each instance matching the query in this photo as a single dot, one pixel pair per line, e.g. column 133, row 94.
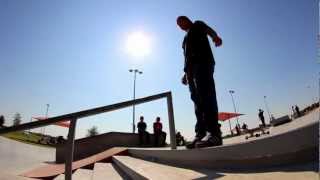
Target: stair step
column 106, row 171
column 60, row 177
column 82, row 174
column 141, row 169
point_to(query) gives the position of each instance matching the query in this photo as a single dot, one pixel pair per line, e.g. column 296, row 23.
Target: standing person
column 262, row 117
column 1, row 120
column 142, row 126
column 198, row 73
column 238, row 129
column 297, row 111
column 157, row 131
column 294, row 111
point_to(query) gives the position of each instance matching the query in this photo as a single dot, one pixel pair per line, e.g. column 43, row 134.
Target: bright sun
column 138, row 44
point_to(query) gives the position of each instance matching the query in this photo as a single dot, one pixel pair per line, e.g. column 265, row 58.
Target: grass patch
column 26, row 137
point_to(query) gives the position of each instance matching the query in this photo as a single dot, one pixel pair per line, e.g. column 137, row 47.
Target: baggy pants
column 203, row 94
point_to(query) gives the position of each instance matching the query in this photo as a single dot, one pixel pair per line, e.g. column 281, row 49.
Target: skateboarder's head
column 184, row 23
column 141, row 118
column 158, row 119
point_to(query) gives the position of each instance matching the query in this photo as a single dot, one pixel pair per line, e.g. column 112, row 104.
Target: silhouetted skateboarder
column 199, row 68
column 261, row 116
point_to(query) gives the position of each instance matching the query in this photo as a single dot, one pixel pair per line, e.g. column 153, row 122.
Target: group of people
column 244, row 128
column 144, row 136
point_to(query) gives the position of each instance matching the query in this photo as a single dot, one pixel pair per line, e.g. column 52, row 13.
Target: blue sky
column 71, row 54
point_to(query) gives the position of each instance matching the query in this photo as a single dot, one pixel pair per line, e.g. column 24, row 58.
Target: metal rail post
column 70, row 150
column 172, row 128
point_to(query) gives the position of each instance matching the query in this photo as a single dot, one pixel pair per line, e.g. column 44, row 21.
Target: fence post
column 70, row 150
column 172, row 128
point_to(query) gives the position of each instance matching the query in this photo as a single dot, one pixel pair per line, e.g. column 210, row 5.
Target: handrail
column 82, row 114
column 73, row 117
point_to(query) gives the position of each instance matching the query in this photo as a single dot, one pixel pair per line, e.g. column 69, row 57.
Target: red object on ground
column 52, row 170
column 62, row 124
column 223, row 116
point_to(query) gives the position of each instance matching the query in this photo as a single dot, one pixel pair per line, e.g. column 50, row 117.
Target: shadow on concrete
column 209, row 175
column 311, row 167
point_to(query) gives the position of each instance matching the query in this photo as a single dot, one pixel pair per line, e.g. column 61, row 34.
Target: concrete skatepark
column 294, row 146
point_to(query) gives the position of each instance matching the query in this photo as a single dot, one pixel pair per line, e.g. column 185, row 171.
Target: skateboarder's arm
column 184, row 77
column 214, row 36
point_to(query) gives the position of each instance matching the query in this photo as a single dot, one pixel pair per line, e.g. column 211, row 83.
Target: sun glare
column 138, row 44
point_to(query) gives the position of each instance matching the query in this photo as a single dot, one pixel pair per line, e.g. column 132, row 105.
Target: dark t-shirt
column 142, row 126
column 196, row 46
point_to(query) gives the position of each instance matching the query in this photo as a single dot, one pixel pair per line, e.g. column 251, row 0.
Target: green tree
column 17, row 119
column 2, row 120
column 92, row 131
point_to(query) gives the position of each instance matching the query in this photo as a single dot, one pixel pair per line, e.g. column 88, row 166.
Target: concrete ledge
column 89, row 146
column 295, row 146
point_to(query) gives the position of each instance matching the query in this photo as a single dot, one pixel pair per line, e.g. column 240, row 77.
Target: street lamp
column 234, row 105
column 46, row 117
column 134, row 71
column 266, row 104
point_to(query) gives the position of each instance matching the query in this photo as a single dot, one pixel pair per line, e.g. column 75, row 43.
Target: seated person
column 180, row 139
column 245, row 127
column 157, row 131
column 143, row 134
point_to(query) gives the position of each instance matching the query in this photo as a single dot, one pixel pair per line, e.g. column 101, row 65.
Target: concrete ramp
column 52, row 170
column 294, row 146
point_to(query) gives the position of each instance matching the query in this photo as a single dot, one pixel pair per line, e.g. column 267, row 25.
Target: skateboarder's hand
column 218, row 41
column 184, row 79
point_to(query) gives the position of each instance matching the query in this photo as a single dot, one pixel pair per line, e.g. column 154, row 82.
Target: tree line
column 17, row 118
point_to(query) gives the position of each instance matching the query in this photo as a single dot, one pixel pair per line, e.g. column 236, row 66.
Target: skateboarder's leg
column 200, row 124
column 207, row 93
column 198, row 107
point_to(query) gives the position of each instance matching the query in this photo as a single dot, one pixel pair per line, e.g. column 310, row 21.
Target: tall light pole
column 47, row 111
column 46, row 117
column 234, row 105
column 266, row 104
column 134, row 71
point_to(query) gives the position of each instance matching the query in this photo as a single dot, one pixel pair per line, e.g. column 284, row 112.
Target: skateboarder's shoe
column 196, row 139
column 212, row 141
